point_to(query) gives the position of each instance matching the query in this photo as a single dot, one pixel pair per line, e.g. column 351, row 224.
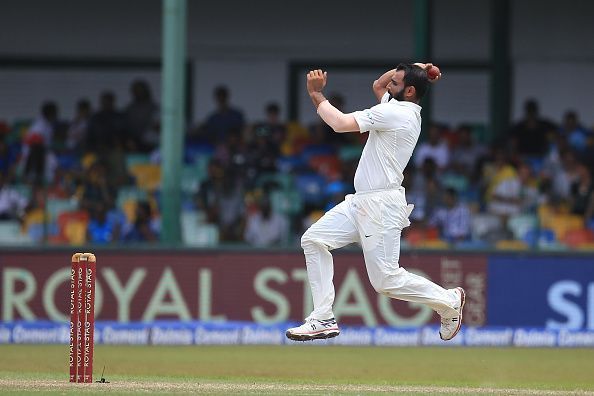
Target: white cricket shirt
column 394, row 128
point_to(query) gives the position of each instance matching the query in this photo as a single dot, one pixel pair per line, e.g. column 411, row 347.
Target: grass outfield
column 303, row 369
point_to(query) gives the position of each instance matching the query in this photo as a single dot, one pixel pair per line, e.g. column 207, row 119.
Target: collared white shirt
column 394, row 128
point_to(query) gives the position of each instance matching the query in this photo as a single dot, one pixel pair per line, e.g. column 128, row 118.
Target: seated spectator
column 8, row 159
column 231, row 209
column 144, row 228
column 265, row 227
column 220, row 197
column 529, row 190
column 77, row 132
column 102, row 227
column 272, row 126
column 435, row 148
column 424, row 191
column 262, row 152
column 12, row 203
column 142, row 117
column 576, row 134
column 453, row 219
column 531, row 135
column 97, row 191
column 503, row 188
column 581, row 198
column 561, row 173
column 38, row 141
column 225, row 119
column 106, row 124
column 232, row 152
column 466, row 154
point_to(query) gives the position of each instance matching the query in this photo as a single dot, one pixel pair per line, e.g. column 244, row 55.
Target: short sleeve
column 381, row 117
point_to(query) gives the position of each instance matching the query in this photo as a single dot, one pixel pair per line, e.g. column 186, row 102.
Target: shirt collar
column 412, row 105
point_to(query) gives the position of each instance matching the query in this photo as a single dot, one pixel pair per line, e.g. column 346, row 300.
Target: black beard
column 399, row 96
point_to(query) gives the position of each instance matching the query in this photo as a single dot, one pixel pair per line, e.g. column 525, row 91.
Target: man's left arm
column 336, row 119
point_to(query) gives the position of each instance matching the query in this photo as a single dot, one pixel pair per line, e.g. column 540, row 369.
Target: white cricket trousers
column 374, row 219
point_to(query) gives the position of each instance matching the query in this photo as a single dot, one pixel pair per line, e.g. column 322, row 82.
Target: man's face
column 396, row 86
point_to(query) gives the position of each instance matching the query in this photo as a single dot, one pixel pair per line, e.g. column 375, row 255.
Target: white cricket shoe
column 451, row 326
column 314, row 329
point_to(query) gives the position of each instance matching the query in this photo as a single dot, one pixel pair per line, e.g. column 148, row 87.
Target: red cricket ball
column 433, row 73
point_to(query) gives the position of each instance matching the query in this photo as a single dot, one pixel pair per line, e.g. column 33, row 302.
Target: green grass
column 24, row 369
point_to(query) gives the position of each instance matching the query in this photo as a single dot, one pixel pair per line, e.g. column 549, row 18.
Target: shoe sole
column 462, row 301
column 311, row 337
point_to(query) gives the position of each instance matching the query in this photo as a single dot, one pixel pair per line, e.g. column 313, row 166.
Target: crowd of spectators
column 95, row 178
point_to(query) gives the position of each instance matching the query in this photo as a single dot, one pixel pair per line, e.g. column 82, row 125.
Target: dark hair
column 531, row 106
column 273, row 108
column 83, row 104
column 49, row 110
column 415, row 76
column 221, row 90
column 451, row 191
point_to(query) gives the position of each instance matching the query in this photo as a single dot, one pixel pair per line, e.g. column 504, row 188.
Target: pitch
column 303, row 369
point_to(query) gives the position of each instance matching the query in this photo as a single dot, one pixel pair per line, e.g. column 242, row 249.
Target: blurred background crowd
column 95, row 178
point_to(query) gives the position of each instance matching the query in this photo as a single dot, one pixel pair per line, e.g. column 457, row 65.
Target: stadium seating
column 311, row 188
column 511, row 244
column 147, row 176
column 197, row 233
column 327, row 165
column 561, row 224
column 57, row 206
column 11, row 233
column 350, row 153
column 520, row 225
column 576, row 238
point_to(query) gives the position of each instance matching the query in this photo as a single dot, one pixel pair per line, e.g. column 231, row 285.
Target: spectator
column 105, row 125
column 265, row 227
column 39, row 140
column 97, row 191
column 103, row 228
column 435, row 148
column 424, row 191
column 8, row 158
column 466, row 154
column 453, row 219
column 12, row 203
column 142, row 117
column 232, row 153
column 77, row 132
column 225, row 119
column 144, row 228
column 262, row 152
column 529, row 193
column 576, row 134
column 272, row 126
column 561, row 174
column 581, row 198
column 220, row 197
column 503, row 188
column 531, row 135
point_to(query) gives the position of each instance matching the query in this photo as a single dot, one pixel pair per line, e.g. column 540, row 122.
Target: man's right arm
column 380, row 86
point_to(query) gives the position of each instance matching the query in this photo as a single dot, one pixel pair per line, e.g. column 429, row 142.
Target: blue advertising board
column 555, row 293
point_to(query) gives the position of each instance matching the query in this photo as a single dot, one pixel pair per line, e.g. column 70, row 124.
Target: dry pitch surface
column 304, row 370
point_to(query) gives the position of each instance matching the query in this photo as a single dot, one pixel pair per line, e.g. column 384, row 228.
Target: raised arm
column 380, row 86
column 336, row 119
